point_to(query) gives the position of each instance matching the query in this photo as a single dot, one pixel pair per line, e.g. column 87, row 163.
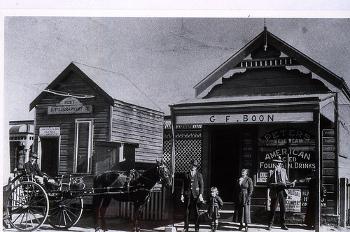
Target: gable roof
column 111, row 85
column 269, row 38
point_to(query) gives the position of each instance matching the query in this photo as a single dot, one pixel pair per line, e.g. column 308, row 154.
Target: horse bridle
column 159, row 173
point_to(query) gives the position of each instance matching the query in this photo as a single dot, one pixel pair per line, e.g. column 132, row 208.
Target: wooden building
column 89, row 120
column 21, row 135
column 267, row 100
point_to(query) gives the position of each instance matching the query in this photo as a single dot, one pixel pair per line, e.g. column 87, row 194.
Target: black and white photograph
column 176, row 123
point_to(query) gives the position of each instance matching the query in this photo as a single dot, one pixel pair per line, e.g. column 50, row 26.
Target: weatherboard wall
column 142, row 126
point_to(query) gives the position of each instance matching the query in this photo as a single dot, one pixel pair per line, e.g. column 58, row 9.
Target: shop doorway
column 50, row 155
column 225, row 160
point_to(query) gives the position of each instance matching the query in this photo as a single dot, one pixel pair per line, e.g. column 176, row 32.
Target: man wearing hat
column 278, row 182
column 192, row 194
column 32, row 167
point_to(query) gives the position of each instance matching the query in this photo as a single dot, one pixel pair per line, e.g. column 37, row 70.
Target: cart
column 30, row 203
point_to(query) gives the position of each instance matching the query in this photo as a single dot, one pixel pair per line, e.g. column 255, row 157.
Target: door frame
column 90, row 142
column 40, row 150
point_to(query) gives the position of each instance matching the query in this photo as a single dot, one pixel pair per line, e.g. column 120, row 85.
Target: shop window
column 295, row 146
column 83, row 146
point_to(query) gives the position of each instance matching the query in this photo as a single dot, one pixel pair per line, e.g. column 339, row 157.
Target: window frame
column 90, row 144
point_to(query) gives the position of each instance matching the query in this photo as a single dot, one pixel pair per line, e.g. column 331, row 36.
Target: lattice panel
column 188, row 147
column 167, row 151
column 186, row 150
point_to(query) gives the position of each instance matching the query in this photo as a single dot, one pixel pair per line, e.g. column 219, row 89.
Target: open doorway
column 50, row 155
column 225, row 160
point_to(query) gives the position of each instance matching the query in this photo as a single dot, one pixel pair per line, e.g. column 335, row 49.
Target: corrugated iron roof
column 110, row 83
column 249, row 98
column 118, row 86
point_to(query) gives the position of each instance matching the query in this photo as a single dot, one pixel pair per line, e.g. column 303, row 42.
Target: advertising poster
column 293, row 201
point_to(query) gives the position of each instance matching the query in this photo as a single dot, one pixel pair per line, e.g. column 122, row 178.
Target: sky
column 165, row 57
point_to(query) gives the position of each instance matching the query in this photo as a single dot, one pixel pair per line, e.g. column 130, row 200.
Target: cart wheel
column 27, row 206
column 66, row 213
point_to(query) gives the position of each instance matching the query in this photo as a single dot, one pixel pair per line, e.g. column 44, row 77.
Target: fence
column 344, row 197
column 15, row 200
column 155, row 209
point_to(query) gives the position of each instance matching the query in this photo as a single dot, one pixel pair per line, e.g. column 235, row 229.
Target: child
column 214, row 204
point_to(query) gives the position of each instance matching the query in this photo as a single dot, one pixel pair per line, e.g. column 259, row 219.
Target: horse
column 112, row 185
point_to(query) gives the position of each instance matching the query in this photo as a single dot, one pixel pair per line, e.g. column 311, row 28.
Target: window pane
column 83, row 147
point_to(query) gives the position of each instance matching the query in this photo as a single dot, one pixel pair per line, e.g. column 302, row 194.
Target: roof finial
column 265, row 24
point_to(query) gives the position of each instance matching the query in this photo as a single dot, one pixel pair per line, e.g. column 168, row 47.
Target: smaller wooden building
column 89, row 120
column 21, row 140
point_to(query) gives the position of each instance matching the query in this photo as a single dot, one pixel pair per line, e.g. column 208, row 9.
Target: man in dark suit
column 278, row 182
column 32, row 168
column 192, row 194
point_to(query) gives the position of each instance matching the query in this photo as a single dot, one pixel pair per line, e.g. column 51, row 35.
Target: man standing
column 192, row 194
column 278, row 182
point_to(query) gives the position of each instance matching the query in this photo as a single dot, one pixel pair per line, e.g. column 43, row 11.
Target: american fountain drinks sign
column 69, row 105
column 296, row 148
column 297, row 159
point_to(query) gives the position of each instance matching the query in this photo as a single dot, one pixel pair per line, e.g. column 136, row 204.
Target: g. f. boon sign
column 245, row 118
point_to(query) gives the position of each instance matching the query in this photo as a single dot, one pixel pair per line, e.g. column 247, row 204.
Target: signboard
column 74, row 109
column 68, row 101
column 299, row 158
column 293, row 201
column 69, row 105
column 49, row 131
column 261, row 177
column 245, row 118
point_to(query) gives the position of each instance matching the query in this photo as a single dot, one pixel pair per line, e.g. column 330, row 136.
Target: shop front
column 258, row 105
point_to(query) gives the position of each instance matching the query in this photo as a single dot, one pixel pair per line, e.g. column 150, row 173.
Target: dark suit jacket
column 32, row 169
column 277, row 186
column 196, row 188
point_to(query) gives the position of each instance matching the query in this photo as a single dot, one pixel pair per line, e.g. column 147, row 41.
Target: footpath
column 123, row 225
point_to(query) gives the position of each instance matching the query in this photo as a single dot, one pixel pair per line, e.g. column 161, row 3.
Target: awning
column 22, row 128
